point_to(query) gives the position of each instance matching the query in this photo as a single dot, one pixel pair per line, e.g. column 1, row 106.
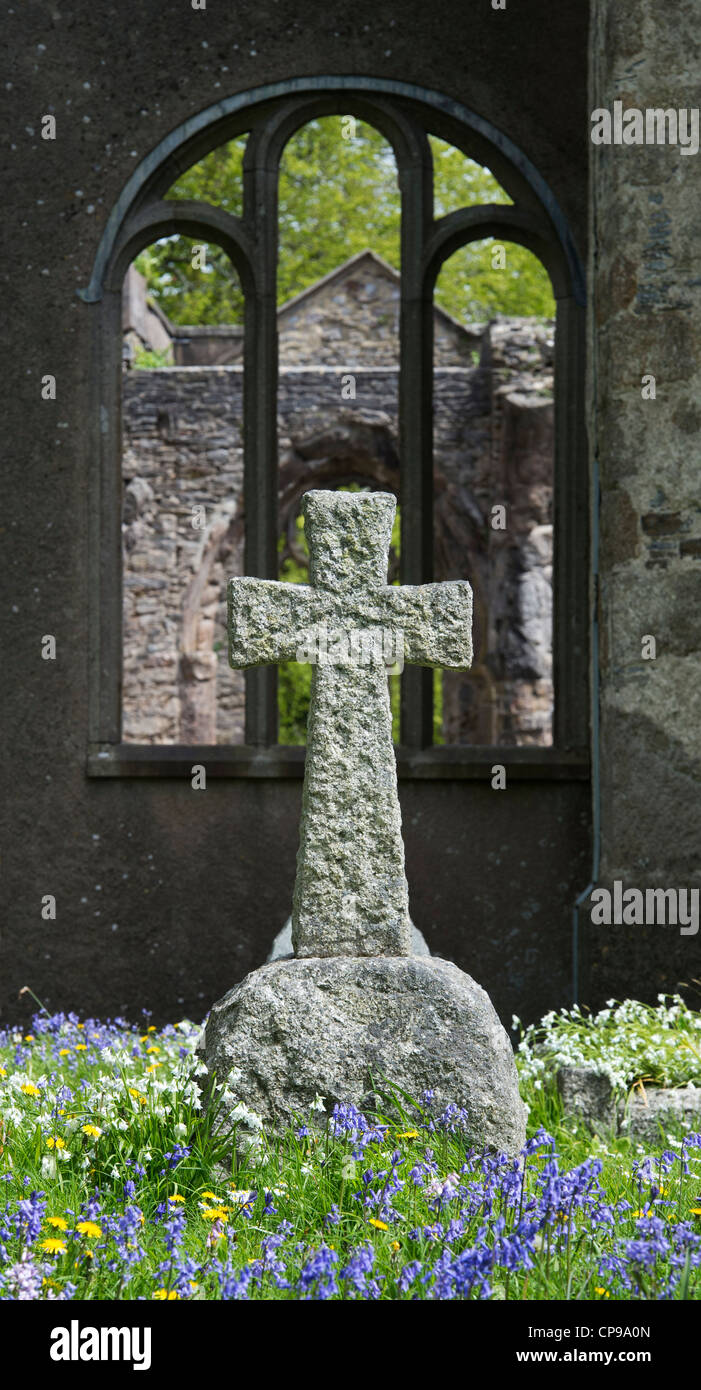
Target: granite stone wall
column 645, row 411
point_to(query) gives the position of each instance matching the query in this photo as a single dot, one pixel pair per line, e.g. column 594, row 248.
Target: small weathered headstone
column 356, row 1007
column 646, row 1112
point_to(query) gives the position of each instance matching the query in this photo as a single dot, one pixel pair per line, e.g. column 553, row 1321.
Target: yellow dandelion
column 215, row 1214
column 54, row 1143
column 395, row 1245
column 175, row 1197
column 152, row 1028
column 64, row 1052
column 144, row 1038
column 2, row 1071
column 81, row 1025
column 53, row 1246
column 59, row 1222
column 695, row 1211
column 603, row 1293
column 641, row 1212
column 89, row 1229
column 153, row 1066
column 408, row 1134
column 29, row 1037
column 93, row 1130
column 29, row 1090
column 153, row 1049
column 166, row 1295
column 212, row 1196
column 379, row 1225
column 81, row 1047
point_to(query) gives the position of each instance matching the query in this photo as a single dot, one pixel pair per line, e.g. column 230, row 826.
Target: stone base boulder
column 339, row 1027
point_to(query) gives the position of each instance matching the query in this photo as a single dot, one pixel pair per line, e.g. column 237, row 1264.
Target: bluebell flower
column 317, row 1278
column 29, row 1216
column 23, row 1279
column 358, row 1268
column 408, row 1274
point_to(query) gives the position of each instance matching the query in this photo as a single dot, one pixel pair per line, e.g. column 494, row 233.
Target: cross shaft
column 351, row 895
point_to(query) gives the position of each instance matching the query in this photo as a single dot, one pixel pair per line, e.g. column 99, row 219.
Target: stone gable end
column 349, row 317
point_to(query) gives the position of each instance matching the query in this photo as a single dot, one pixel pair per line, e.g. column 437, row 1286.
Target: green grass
column 302, row 1216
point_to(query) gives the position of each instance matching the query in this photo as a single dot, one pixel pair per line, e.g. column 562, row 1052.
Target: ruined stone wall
column 183, row 526
column 183, row 473
column 498, row 451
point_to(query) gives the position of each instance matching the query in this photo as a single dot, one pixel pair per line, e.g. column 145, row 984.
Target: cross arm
column 436, row 622
column 267, row 620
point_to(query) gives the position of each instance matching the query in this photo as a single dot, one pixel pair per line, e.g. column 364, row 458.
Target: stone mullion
column 570, row 532
column 416, row 422
column 260, row 414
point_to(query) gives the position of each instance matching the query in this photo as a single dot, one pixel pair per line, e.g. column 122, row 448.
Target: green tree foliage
column 336, row 197
column 468, row 286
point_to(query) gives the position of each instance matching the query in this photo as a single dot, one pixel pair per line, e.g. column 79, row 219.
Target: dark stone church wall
column 166, row 895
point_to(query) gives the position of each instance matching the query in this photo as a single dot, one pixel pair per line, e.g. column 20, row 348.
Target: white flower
column 242, row 1114
column 318, row 1104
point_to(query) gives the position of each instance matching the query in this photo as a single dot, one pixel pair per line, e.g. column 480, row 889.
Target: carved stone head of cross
column 351, row 895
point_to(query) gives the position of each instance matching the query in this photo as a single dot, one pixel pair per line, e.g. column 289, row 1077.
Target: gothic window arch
column 405, row 116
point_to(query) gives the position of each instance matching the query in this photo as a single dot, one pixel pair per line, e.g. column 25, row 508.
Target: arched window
column 406, row 117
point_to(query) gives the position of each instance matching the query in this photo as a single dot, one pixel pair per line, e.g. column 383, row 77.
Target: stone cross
column 351, row 895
